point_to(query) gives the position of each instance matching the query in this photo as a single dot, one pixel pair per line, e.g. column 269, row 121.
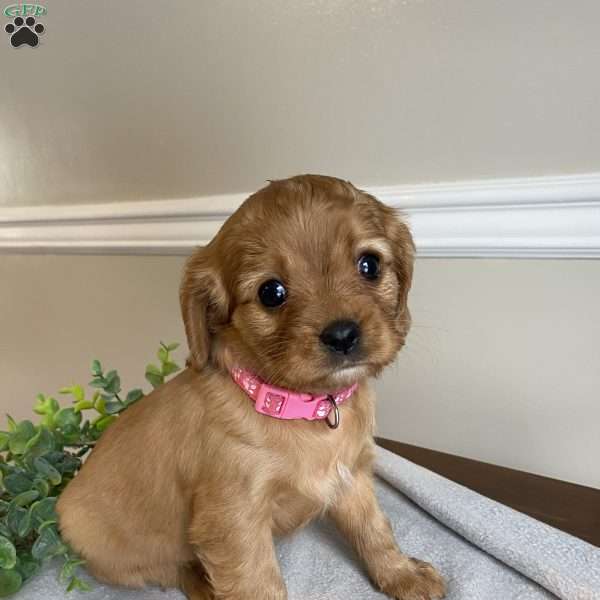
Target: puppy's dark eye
column 368, row 266
column 272, row 293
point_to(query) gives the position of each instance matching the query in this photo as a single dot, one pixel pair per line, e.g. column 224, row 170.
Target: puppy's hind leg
column 193, row 582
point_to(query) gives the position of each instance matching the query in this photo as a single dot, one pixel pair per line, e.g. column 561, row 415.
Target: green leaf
column 78, row 584
column 172, row 346
column 66, row 417
column 71, row 434
column 163, row 354
column 153, row 369
column 104, row 422
column 24, row 431
column 24, row 525
column 113, row 383
column 40, row 444
column 154, row 380
column 48, row 544
column 44, row 510
column 46, row 524
column 154, row 376
column 47, row 471
column 40, row 407
column 98, row 382
column 4, row 437
column 100, row 404
column 48, row 422
column 46, row 406
column 42, row 486
column 17, row 483
column 14, row 518
column 25, row 498
column 32, row 441
column 4, row 530
column 12, row 425
column 8, row 553
column 75, row 390
column 68, row 569
column 17, row 443
column 27, row 566
column 134, row 396
column 96, row 367
column 19, row 519
column 113, row 408
column 64, row 462
column 10, row 582
column 83, row 405
column 169, row 368
column 27, row 428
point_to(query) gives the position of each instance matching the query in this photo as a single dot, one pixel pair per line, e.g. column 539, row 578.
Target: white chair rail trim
column 540, row 217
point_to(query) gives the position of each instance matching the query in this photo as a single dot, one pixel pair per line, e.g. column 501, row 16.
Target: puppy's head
column 306, row 285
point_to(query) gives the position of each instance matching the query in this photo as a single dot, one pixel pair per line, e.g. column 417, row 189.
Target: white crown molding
column 541, row 217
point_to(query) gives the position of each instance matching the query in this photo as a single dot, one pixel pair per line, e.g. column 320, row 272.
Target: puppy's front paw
column 417, row 581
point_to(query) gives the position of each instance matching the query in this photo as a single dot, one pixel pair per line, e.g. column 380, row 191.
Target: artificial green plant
column 38, row 461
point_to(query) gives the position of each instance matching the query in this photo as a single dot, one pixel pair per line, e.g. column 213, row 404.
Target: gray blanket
column 485, row 550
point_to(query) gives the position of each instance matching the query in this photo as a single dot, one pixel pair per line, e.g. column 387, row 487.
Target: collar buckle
column 271, row 401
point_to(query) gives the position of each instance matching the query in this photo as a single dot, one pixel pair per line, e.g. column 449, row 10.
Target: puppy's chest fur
column 320, row 469
column 310, row 494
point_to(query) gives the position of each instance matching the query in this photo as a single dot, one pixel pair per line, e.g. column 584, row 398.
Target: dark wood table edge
column 569, row 507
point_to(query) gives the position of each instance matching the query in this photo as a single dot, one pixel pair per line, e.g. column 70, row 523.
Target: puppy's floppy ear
column 204, row 304
column 404, row 257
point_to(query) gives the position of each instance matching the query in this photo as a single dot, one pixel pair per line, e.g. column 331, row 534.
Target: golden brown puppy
column 305, row 286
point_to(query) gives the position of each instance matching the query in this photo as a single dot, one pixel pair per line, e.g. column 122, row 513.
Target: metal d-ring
column 336, row 414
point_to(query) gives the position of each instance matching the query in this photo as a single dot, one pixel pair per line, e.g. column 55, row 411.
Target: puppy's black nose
column 341, row 336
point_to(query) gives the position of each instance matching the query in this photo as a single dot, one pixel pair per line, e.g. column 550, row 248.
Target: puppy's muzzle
column 341, row 337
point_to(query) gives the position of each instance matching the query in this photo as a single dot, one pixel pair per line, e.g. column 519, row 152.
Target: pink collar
column 281, row 403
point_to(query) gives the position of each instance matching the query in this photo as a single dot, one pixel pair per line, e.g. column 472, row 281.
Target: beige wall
column 57, row 313
column 145, row 99
column 502, row 363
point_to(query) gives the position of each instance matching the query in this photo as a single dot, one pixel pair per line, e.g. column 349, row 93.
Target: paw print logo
column 24, row 31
